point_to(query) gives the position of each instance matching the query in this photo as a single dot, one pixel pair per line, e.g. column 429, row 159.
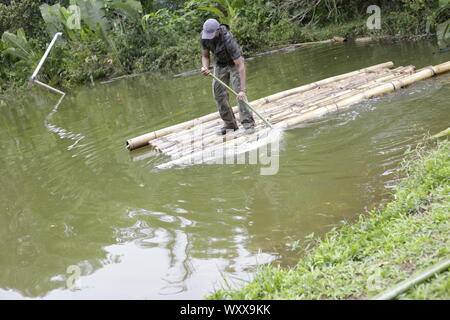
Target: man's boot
column 249, row 127
column 228, row 128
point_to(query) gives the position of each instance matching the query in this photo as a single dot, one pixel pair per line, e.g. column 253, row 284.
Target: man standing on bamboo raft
column 228, row 65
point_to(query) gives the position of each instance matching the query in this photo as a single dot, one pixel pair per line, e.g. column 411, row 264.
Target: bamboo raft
column 192, row 139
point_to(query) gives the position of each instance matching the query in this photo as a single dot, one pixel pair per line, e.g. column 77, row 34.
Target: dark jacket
column 225, row 48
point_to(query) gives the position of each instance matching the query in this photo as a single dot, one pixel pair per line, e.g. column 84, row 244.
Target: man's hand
column 241, row 96
column 239, row 62
column 205, row 71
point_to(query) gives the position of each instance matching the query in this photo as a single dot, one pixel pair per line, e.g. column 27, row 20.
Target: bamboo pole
column 443, row 133
column 407, row 284
column 144, row 139
column 441, row 68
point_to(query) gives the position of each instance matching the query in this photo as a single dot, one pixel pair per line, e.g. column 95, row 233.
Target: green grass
column 436, row 288
column 381, row 249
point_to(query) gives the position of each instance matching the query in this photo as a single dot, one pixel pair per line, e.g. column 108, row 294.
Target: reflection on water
column 70, row 193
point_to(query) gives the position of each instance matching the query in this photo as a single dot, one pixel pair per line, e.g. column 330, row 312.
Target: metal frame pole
column 41, row 62
column 49, row 87
column 44, row 57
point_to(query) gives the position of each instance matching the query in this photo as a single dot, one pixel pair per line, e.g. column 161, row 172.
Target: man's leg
column 221, row 96
column 244, row 112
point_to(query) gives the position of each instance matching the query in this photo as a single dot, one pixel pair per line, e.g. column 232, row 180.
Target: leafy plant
column 93, row 56
column 226, row 10
column 20, row 54
column 52, row 17
column 22, row 14
column 439, row 20
column 93, row 14
column 94, row 23
column 131, row 12
column 443, row 33
column 159, row 24
column 320, row 12
column 18, row 47
column 59, row 19
column 130, row 9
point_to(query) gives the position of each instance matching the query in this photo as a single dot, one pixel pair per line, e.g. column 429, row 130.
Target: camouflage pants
column 220, row 93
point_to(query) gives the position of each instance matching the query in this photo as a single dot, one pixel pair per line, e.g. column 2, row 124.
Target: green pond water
column 75, row 204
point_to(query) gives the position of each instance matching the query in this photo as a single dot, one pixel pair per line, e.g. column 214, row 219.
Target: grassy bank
column 381, row 249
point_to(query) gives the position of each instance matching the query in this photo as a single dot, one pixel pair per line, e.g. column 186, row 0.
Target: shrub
column 86, row 59
column 23, row 14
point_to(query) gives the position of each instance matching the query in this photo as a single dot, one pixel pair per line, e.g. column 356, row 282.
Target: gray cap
column 209, row 28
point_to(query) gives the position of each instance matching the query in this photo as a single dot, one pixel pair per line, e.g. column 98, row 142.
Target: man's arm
column 205, row 62
column 240, row 63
